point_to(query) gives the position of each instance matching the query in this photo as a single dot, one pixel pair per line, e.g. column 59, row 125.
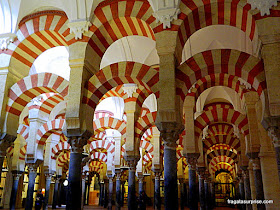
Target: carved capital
column 118, row 175
column 201, row 172
column 17, row 175
column 169, row 133
column 32, row 168
column 48, row 176
column 6, row 39
column 77, row 143
column 166, row 16
column 129, row 89
column 79, row 28
column 192, row 160
column 132, row 162
column 263, row 5
column 157, row 175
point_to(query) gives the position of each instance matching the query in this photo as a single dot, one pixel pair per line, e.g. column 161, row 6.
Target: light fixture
column 65, row 183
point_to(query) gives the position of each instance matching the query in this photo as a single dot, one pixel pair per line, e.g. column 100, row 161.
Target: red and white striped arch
column 119, row 74
column 103, row 113
column 147, row 146
column 57, row 149
column 220, row 159
column 147, row 136
column 220, row 62
column 115, row 20
column 223, row 105
column 32, row 86
column 102, row 144
column 198, row 14
column 222, row 150
column 63, row 159
column 23, row 130
column 222, row 165
column 98, row 155
column 50, row 100
column 96, row 166
column 22, row 152
column 220, row 129
column 147, row 157
column 230, row 140
column 54, row 126
column 221, row 115
column 114, row 92
column 144, row 123
column 39, row 31
column 104, row 123
column 10, row 151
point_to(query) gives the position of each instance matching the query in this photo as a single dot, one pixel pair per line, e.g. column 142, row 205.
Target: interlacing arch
column 221, row 115
column 23, row 130
column 104, row 123
column 39, row 31
column 144, row 123
column 215, row 65
column 47, row 129
column 60, row 147
column 32, row 86
column 102, row 144
column 200, row 14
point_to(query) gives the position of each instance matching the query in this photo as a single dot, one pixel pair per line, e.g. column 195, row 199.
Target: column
column 118, row 190
column 111, row 188
column 16, row 177
column 193, row 198
column 123, row 191
column 247, row 188
column 157, row 191
column 74, row 195
column 201, row 171
column 258, row 181
column 48, row 184
column 140, row 184
column 55, row 192
column 132, row 204
column 101, row 192
column 274, row 134
column 182, row 192
column 212, row 190
column 59, row 191
column 32, row 172
column 83, row 190
column 207, row 195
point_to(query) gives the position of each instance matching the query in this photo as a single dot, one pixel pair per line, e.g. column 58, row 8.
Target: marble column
column 207, row 195
column 55, row 192
column 274, row 134
column 201, row 173
column 140, row 184
column 74, row 195
column 212, row 190
column 16, row 177
column 132, row 204
column 157, row 198
column 111, row 188
column 247, row 188
column 83, row 190
column 258, row 181
column 182, row 192
column 123, row 191
column 170, row 170
column 48, row 184
column 193, row 198
column 118, row 190
column 101, row 192
column 59, row 191
column 32, row 173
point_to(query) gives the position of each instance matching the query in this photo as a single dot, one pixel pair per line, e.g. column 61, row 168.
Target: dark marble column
column 277, row 152
column 258, row 181
column 123, row 191
column 55, row 192
column 201, row 173
column 132, row 204
column 140, row 184
column 193, row 198
column 83, row 189
column 157, row 191
column 48, row 184
column 241, row 191
column 74, row 195
column 32, row 173
column 212, row 190
column 170, row 172
column 16, row 177
column 111, row 188
column 182, row 192
column 59, row 191
column 247, row 187
column 118, row 190
column 101, row 192
column 207, row 194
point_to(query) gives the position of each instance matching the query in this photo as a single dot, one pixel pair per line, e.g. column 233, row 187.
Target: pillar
column 201, row 171
column 157, row 191
column 111, row 188
column 55, row 192
column 140, row 184
column 16, row 177
column 193, row 198
column 101, row 192
column 123, row 191
column 132, row 204
column 274, row 134
column 83, row 190
column 258, row 181
column 207, row 195
column 74, row 195
column 118, row 190
column 59, row 191
column 47, row 192
column 32, row 172
column 247, row 188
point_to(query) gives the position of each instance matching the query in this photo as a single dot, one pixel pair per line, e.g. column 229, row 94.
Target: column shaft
column 207, row 195
column 31, row 183
column 247, row 191
column 74, row 180
column 259, row 187
column 193, row 202
column 13, row 199
column 170, row 178
column 111, row 188
column 157, row 193
column 48, row 184
column 101, row 192
column 118, row 193
column 55, row 193
column 277, row 152
column 132, row 205
column 201, row 192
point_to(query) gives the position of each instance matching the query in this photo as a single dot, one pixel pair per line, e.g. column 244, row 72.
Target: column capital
column 77, row 143
column 32, row 167
column 245, row 171
column 132, row 162
column 157, row 175
column 201, row 172
column 17, row 174
column 274, row 134
column 192, row 160
column 169, row 132
column 48, row 175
